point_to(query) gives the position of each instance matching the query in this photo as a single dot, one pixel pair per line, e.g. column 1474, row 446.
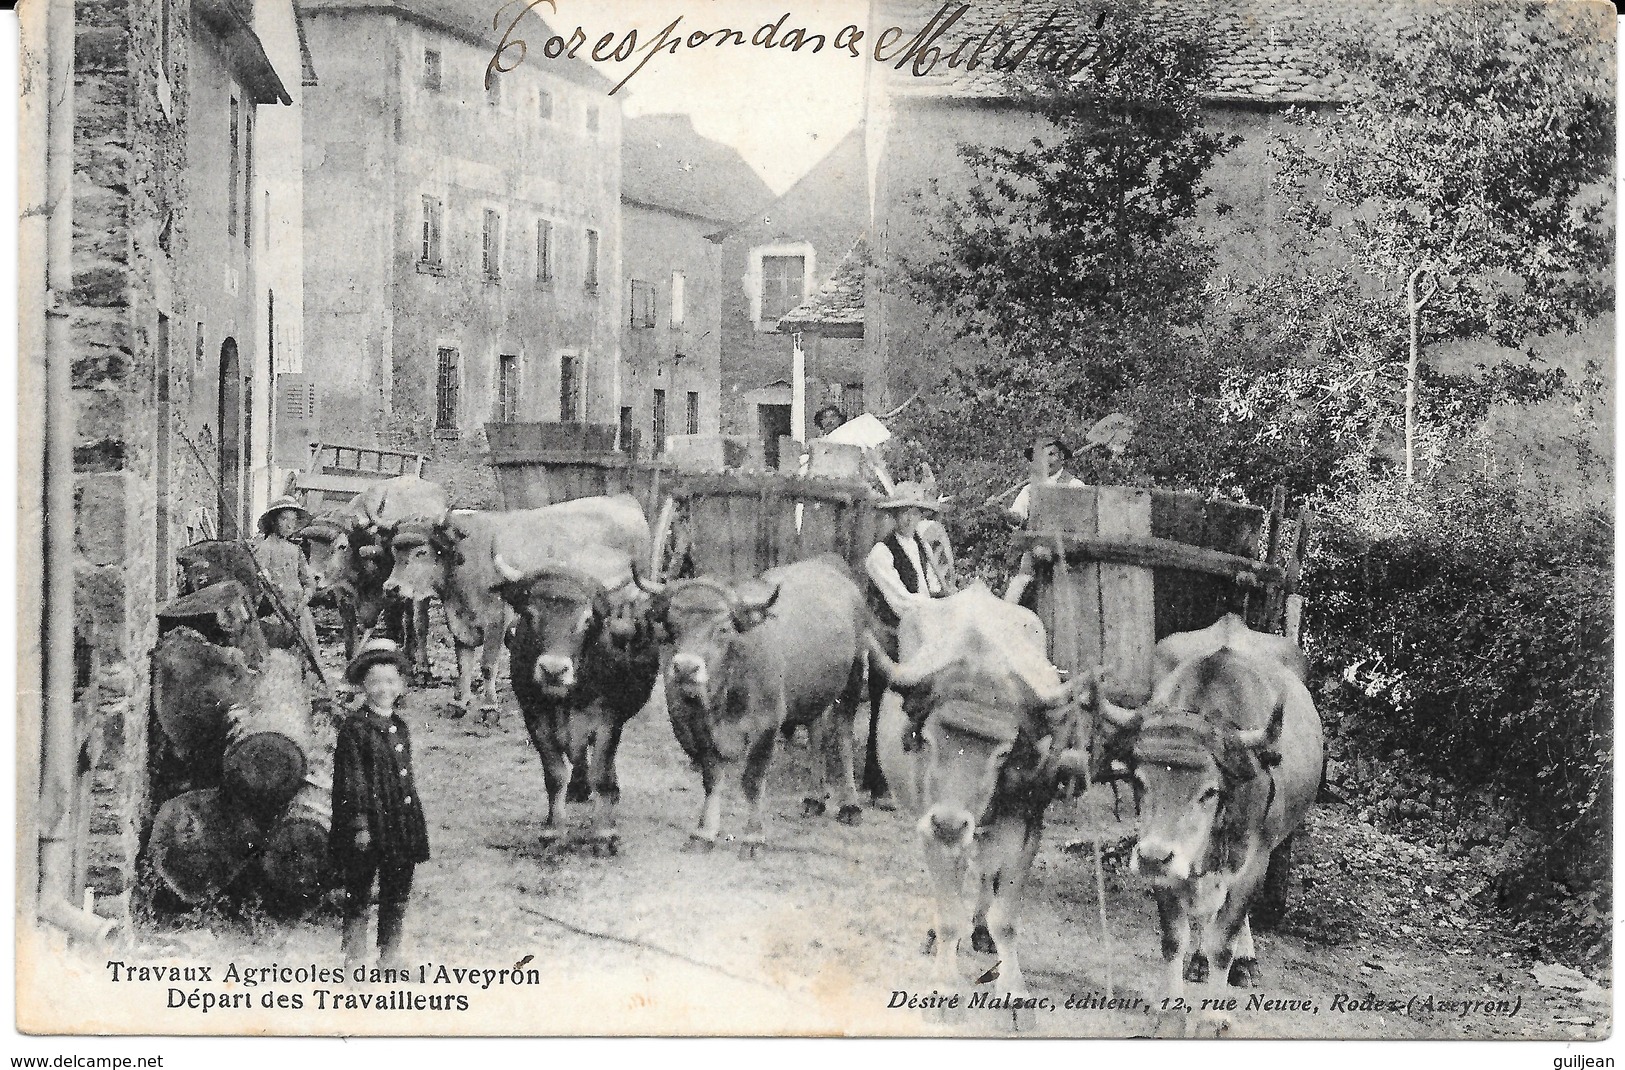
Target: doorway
column 230, row 414
column 772, row 421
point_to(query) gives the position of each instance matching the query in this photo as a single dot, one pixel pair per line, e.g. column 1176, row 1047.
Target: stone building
column 464, row 237
column 186, row 303
column 677, row 190
column 772, row 261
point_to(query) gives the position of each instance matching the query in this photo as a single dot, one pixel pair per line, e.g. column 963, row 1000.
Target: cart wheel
column 1270, row 906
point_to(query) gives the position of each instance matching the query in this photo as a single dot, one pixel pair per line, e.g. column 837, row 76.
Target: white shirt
column 882, row 569
column 1060, row 478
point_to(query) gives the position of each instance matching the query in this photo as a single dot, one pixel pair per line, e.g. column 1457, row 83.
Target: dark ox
column 971, row 732
column 349, row 554
column 453, row 560
column 1226, row 759
column 747, row 661
column 584, row 660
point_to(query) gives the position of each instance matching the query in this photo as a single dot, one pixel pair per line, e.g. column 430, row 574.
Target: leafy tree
column 1072, row 256
column 1464, row 176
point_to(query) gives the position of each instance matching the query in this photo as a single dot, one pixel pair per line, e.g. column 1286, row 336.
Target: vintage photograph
column 863, row 518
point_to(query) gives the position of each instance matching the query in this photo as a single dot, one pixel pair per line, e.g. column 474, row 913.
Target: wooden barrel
column 295, row 859
column 194, row 683
column 200, row 843
column 268, row 740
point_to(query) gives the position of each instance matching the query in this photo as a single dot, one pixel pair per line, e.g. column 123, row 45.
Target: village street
column 818, row 933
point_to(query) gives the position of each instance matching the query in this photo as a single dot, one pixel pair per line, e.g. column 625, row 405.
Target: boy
column 284, row 564
column 378, row 827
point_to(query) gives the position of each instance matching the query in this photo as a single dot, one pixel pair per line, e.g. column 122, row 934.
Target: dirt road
column 819, row 933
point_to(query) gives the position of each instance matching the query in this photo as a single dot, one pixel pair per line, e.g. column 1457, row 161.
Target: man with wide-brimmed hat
column 902, row 575
column 1056, row 456
column 283, row 561
column 377, row 829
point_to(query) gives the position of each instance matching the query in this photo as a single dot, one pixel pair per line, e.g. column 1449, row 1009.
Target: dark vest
column 913, row 578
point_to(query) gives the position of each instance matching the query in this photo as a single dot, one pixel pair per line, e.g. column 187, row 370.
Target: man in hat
column 284, row 564
column 902, row 576
column 377, row 826
column 1056, row 456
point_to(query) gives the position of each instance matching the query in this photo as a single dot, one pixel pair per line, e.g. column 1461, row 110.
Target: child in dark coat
column 378, row 828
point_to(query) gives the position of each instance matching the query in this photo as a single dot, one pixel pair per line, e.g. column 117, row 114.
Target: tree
column 1465, row 175
column 1072, row 256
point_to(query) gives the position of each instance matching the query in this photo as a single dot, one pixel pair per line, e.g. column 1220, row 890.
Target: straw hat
column 268, row 518
column 909, row 495
column 376, row 652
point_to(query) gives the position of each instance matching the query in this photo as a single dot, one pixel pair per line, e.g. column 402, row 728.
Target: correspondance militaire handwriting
column 1010, row 44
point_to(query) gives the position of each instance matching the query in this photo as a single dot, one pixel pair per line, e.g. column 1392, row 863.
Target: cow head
column 424, row 552
column 974, row 722
column 1188, row 761
column 332, row 542
column 560, row 610
column 703, row 621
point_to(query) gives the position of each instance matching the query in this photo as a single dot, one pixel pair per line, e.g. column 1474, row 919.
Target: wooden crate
column 738, row 524
column 541, row 463
column 1132, row 565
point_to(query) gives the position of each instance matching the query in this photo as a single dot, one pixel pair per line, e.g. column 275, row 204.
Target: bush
column 1473, row 631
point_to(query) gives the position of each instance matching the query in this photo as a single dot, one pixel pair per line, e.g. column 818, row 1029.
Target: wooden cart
column 1118, row 568
column 731, row 523
column 335, row 473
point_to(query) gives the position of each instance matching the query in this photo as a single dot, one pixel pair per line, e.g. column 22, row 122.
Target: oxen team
column 977, row 732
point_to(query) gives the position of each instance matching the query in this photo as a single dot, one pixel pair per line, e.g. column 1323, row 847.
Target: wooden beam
column 1150, row 552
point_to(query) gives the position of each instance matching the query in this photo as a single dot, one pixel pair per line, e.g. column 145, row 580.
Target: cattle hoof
column 490, row 714
column 1210, row 1024
column 577, row 793
column 1196, row 969
column 551, row 835
column 850, row 814
column 750, row 850
column 884, row 802
column 605, row 846
column 1170, row 1024
column 812, row 807
column 940, row 1015
column 1244, row 973
column 456, row 711
column 1023, row 1020
column 698, row 844
column 930, row 945
column 982, row 940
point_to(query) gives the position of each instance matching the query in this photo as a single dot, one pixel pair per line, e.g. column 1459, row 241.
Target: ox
column 349, row 553
column 1225, row 759
column 583, row 660
column 452, row 558
column 971, row 733
column 784, row 650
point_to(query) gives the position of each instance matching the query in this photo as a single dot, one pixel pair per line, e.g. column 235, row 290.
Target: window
column 643, row 304
column 544, row 104
column 544, row 251
column 231, row 189
column 507, row 388
column 429, row 245
column 248, row 175
column 163, row 37
column 679, row 299
column 592, row 118
column 569, row 389
column 693, row 412
column 493, row 88
column 783, row 285
column 592, row 259
column 492, row 259
column 431, row 69
column 625, row 435
column 197, row 355
column 657, row 425
column 448, row 385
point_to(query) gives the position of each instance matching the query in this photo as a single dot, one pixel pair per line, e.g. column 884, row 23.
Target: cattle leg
column 467, row 654
column 554, row 774
column 488, row 667
column 842, row 717
column 705, row 836
column 606, row 788
column 419, row 630
column 947, row 872
column 1176, row 938
column 752, row 781
column 874, row 781
column 1008, row 851
column 816, row 803
column 1244, row 971
column 1220, row 932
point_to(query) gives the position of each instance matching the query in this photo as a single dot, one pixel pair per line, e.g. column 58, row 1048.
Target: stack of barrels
column 246, row 786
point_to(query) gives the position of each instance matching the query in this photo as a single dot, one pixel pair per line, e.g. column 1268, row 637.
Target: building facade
column 464, row 237
column 186, row 202
column 772, row 261
column 677, row 190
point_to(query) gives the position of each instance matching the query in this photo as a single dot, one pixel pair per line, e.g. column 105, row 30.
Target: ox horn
column 656, row 587
column 1121, row 717
column 505, row 570
column 1253, row 738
